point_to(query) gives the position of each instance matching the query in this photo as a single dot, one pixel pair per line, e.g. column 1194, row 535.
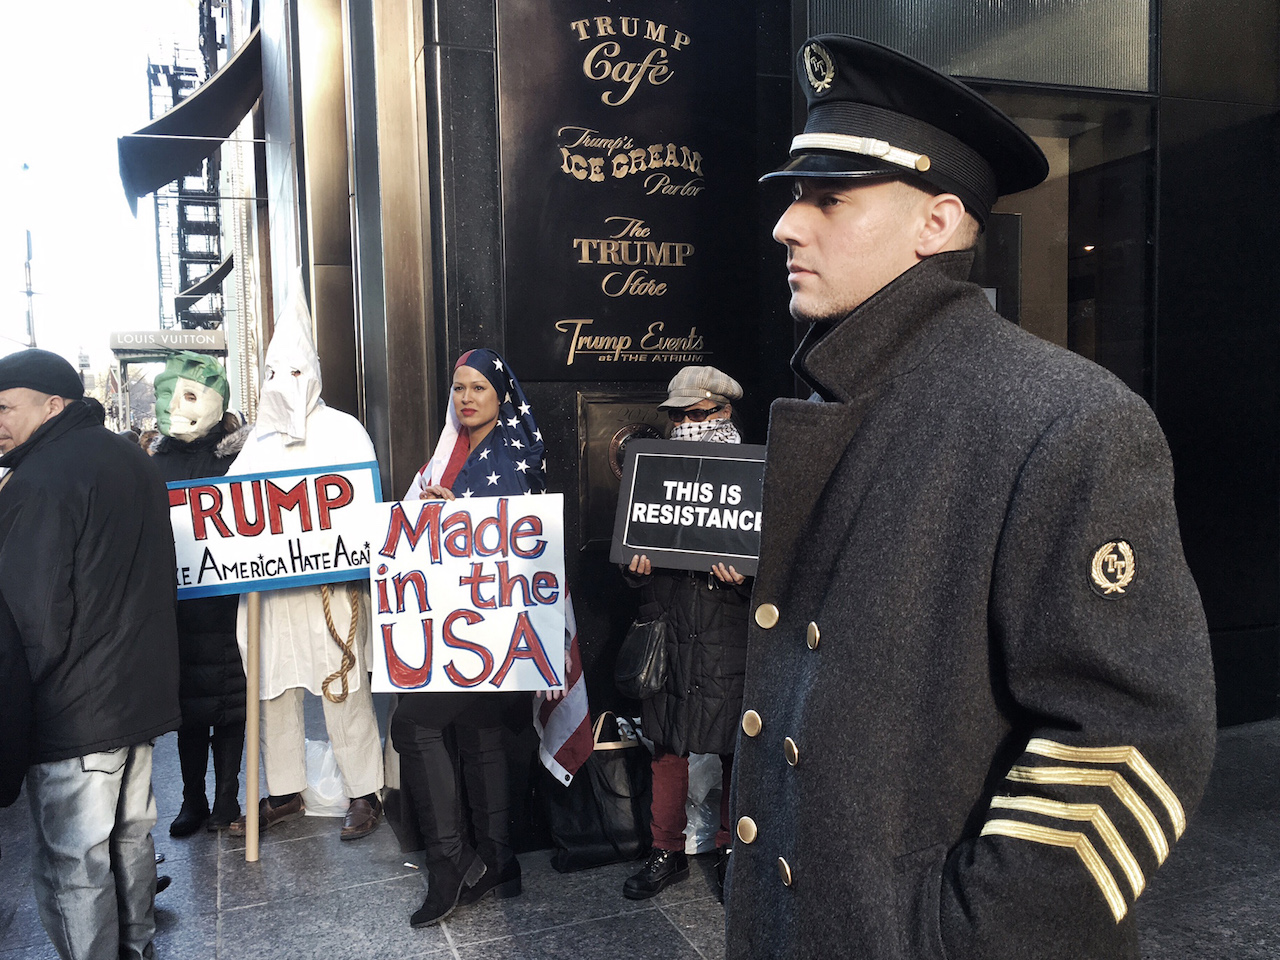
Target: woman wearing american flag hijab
column 490, row 446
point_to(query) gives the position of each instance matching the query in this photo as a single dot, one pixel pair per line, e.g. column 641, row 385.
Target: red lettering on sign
column 527, row 527
column 202, row 511
column 294, row 498
column 402, row 581
column 243, row 526
column 428, row 523
column 457, row 534
column 545, row 587
column 401, row 674
column 177, row 497
column 474, row 580
column 451, row 639
column 525, row 645
column 507, row 585
column 384, row 604
column 333, row 492
column 500, row 521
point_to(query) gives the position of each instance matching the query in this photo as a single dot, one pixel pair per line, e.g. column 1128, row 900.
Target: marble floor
column 312, row 896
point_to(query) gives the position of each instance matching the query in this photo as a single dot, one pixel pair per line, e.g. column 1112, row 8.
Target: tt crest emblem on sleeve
column 1112, row 569
column 819, row 67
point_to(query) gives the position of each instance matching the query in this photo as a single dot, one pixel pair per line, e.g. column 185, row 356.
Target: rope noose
column 347, row 646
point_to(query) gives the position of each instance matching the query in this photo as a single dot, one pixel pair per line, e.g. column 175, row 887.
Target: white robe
column 297, row 650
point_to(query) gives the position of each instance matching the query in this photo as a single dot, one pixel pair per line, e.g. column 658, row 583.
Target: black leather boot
column 663, row 868
column 193, row 759
column 228, row 745
column 722, row 869
column 445, row 884
column 503, row 884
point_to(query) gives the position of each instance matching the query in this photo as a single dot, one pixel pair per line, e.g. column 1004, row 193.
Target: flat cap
column 41, row 371
column 694, row 384
column 875, row 112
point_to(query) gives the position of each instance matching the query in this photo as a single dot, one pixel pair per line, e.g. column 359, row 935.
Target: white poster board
column 469, row 595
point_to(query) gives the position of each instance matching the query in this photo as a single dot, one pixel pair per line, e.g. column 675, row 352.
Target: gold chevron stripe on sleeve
column 1073, row 840
column 1086, row 813
column 1130, row 756
column 1101, row 778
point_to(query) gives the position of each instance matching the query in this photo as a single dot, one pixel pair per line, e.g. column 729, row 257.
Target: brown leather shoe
column 361, row 819
column 269, row 816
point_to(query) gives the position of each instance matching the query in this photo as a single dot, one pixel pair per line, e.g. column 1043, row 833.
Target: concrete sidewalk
column 310, row 895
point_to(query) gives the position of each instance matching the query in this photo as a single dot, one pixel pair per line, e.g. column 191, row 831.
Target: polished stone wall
column 1217, row 350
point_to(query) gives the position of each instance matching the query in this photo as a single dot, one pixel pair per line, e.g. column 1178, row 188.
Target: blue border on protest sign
column 297, row 472
column 273, row 583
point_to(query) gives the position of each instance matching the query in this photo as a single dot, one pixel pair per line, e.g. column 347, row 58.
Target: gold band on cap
column 866, row 146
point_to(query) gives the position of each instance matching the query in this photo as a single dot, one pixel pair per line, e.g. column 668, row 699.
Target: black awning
column 204, row 286
column 175, row 144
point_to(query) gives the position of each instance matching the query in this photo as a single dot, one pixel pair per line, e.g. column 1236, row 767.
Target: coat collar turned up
column 889, row 334
column 76, row 414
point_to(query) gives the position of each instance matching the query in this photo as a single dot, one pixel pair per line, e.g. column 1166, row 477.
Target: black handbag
column 641, row 667
column 603, row 816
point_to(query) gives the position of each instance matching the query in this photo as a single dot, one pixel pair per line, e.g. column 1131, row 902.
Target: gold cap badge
column 819, row 67
column 1112, row 568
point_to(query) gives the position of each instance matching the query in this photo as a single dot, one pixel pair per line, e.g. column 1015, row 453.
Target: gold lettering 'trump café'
column 623, row 210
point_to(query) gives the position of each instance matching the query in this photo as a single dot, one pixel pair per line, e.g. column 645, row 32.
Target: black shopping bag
column 603, row 815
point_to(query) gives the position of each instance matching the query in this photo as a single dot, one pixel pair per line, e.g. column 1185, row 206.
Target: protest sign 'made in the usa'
column 690, row 505
column 267, row 531
column 469, row 594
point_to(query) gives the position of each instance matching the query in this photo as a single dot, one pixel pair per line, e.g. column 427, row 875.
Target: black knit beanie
column 42, row 371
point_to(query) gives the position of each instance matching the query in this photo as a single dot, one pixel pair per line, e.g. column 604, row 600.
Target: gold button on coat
column 751, row 723
column 766, row 615
column 784, row 871
column 791, row 750
column 746, row 830
column 812, row 636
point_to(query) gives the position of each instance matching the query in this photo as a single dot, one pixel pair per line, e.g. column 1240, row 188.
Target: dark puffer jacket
column 697, row 709
column 87, row 570
column 212, row 691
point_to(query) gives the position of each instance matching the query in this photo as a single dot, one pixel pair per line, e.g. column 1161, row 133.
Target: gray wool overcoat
column 979, row 701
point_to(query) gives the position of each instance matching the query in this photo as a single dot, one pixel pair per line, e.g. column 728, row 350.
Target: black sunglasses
column 697, row 416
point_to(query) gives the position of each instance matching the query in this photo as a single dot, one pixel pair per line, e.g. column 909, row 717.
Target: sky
column 75, row 78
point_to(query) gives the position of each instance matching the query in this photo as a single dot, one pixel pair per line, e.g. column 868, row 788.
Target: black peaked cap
column 875, row 112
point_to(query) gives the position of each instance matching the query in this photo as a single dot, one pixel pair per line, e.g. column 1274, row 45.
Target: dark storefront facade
column 573, row 184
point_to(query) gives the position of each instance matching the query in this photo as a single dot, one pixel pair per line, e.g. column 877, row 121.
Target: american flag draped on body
column 509, row 461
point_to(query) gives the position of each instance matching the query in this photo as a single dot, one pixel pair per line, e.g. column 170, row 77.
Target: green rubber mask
column 191, row 395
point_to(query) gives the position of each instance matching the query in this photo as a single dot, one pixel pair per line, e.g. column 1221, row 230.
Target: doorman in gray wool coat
column 979, row 703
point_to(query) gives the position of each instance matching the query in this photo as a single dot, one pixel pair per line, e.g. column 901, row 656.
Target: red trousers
column 671, row 789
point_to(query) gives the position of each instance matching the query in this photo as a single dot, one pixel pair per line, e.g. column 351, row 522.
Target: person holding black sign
column 979, row 707
column 696, row 711
column 490, row 446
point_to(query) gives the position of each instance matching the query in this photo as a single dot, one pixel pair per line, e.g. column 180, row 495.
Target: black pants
column 426, row 768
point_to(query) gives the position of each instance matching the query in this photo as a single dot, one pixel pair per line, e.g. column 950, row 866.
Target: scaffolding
column 188, row 211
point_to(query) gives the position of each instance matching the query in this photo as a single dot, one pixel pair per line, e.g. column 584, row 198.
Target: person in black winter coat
column 200, row 441
column 87, row 572
column 696, row 711
column 979, row 697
